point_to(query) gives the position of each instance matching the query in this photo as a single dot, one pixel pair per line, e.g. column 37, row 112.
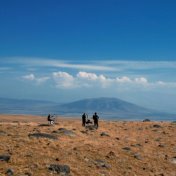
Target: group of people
column 85, row 119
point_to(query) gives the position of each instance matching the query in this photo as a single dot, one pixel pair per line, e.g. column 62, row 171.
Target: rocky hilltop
column 29, row 146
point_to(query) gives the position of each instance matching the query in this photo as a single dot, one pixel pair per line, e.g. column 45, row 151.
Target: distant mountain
column 112, row 108
column 109, row 108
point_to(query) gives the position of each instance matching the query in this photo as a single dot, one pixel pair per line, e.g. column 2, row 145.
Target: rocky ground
column 29, row 146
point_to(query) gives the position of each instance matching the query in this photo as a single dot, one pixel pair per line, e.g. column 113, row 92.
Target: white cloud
column 38, row 80
column 30, row 77
column 89, row 76
column 123, row 79
column 64, row 80
column 57, row 63
column 87, row 79
column 128, row 64
column 141, row 80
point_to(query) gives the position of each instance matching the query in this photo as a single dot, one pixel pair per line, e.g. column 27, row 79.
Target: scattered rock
column 164, row 132
column 118, row 138
column 146, row 120
column 42, row 135
column 157, row 139
column 102, row 164
column 156, row 126
column 9, row 172
column 111, row 154
column 57, row 159
column 161, row 145
column 91, row 127
column 137, row 156
column 59, row 169
column 126, row 148
column 136, row 145
column 2, row 133
column 173, row 160
column 104, row 134
column 64, row 131
column 84, row 132
column 4, row 158
column 165, row 157
column 27, row 174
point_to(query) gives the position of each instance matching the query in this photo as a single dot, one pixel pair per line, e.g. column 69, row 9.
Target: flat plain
column 116, row 148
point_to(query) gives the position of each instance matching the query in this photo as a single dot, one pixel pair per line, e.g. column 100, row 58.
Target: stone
column 136, row 145
column 157, row 139
column 91, row 127
column 59, row 169
column 28, row 174
column 161, row 145
column 173, row 160
column 146, row 120
column 84, row 132
column 102, row 164
column 64, row 131
column 137, row 156
column 156, row 126
column 42, row 135
column 2, row 133
column 126, row 148
column 104, row 134
column 9, row 172
column 4, row 158
column 111, row 154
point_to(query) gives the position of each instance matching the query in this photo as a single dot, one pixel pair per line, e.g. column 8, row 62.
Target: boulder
column 156, row 126
column 102, row 164
column 137, row 156
column 126, row 148
column 173, row 160
column 146, row 120
column 104, row 134
column 42, row 135
column 59, row 169
column 64, row 131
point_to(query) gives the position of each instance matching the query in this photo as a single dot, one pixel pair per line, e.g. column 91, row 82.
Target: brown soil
column 129, row 149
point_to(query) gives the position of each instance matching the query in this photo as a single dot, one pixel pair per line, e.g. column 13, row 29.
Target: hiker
column 83, row 119
column 95, row 119
column 50, row 119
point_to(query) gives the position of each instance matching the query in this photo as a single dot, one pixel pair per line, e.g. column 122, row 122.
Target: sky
column 64, row 50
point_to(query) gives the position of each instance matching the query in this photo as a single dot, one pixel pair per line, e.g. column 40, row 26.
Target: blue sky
column 68, row 50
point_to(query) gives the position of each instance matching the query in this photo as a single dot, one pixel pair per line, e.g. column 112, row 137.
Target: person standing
column 84, row 119
column 49, row 119
column 95, row 119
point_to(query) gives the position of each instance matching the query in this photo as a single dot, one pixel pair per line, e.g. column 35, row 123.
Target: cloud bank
column 32, row 77
column 88, row 79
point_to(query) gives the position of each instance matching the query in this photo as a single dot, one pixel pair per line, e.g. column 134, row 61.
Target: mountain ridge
column 106, row 107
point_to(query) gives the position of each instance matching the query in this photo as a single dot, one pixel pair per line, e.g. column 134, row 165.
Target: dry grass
column 154, row 146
